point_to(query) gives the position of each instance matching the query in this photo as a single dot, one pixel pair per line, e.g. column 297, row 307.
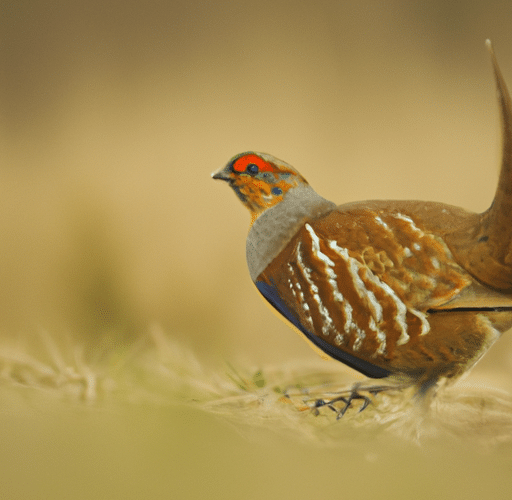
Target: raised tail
column 485, row 249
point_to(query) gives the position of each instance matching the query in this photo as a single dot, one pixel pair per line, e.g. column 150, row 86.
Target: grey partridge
column 411, row 290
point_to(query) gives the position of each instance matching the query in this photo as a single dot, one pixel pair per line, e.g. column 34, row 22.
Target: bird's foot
column 343, row 401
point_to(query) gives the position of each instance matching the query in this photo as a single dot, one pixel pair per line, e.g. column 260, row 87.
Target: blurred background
column 113, row 116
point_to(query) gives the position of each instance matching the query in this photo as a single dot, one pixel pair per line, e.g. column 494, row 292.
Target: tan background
column 114, row 114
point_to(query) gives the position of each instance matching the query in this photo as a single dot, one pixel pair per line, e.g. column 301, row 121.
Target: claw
column 367, row 401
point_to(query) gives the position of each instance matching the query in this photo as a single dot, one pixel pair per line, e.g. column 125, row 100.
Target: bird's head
column 259, row 180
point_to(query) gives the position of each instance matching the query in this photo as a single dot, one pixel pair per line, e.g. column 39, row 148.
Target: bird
column 412, row 292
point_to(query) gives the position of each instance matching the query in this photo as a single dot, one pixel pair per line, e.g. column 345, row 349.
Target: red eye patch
column 241, row 164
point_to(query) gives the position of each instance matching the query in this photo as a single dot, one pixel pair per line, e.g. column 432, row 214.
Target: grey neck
column 275, row 227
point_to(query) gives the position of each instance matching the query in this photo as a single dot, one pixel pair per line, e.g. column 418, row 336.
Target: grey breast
column 274, row 228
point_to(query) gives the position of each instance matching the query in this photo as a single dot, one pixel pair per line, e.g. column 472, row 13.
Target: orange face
column 259, row 180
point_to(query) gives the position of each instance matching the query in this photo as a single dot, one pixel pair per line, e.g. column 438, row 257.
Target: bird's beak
column 221, row 174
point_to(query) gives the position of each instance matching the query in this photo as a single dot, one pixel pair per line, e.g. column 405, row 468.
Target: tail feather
column 485, row 248
column 500, row 212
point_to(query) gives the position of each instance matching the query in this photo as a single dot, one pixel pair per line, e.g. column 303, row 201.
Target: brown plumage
column 410, row 290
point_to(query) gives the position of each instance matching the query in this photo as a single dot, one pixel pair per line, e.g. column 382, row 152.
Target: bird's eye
column 252, row 169
column 277, row 191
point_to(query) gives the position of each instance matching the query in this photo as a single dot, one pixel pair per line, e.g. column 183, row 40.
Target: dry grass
column 159, row 371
